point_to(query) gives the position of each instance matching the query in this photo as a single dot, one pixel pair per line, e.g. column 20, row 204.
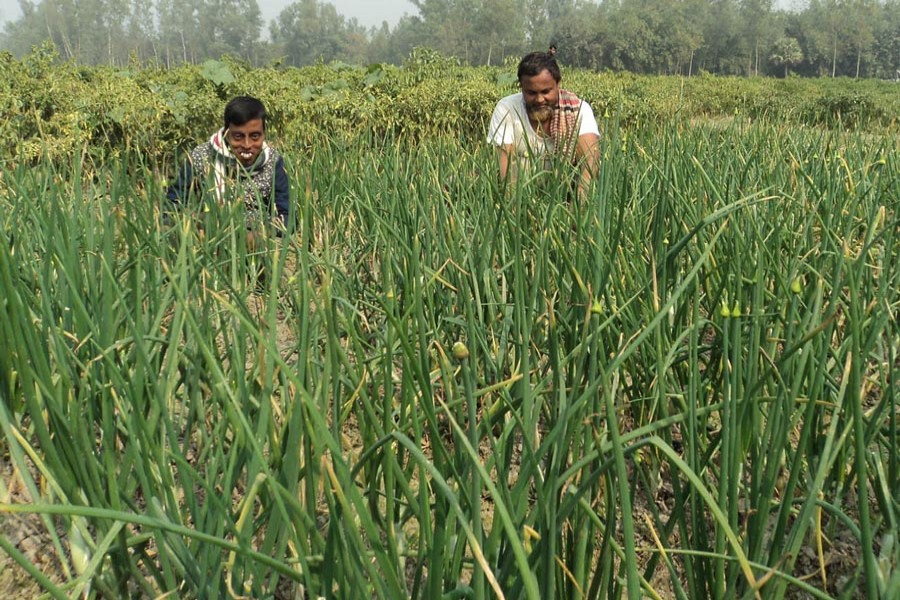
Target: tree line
column 851, row 38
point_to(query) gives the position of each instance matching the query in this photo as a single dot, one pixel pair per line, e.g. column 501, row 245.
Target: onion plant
column 681, row 384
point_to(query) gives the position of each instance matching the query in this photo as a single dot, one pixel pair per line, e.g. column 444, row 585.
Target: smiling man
column 237, row 164
column 542, row 121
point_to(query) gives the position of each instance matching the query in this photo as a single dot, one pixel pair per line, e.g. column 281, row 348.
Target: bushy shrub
column 53, row 109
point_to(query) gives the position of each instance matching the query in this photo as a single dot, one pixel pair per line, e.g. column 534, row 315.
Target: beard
column 541, row 114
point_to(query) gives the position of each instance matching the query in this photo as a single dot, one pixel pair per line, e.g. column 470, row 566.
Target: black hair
column 243, row 109
column 537, row 62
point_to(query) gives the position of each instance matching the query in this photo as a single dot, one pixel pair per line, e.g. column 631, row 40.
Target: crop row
column 53, row 109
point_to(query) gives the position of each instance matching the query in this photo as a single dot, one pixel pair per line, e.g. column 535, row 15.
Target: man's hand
column 587, row 155
column 506, row 154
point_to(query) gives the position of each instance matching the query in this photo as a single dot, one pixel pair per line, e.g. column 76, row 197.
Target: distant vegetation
column 836, row 38
column 52, row 109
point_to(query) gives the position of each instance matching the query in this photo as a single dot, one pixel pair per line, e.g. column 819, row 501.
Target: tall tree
column 719, row 24
column 545, row 18
column 682, row 32
column 755, row 15
column 656, row 36
column 581, row 35
column 28, row 31
column 786, row 53
column 409, row 34
column 140, row 28
column 229, row 27
column 498, row 31
column 448, row 23
column 886, row 49
column 380, row 48
column 309, row 30
column 179, row 31
column 861, row 20
column 828, row 20
column 632, row 39
column 61, row 21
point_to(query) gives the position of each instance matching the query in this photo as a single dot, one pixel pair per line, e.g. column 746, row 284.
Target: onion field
column 682, row 385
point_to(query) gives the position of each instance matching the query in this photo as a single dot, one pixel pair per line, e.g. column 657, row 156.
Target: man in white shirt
column 542, row 121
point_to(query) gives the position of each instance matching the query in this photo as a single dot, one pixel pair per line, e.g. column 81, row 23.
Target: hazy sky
column 369, row 13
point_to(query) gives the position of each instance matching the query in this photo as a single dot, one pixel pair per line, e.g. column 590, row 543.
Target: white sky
column 369, row 13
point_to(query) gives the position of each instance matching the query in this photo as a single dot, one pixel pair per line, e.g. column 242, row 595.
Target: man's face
column 541, row 94
column 246, row 141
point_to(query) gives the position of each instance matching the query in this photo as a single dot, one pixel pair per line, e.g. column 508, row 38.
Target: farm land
column 682, row 385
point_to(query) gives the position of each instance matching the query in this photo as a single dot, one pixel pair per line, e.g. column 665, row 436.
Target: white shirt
column 510, row 125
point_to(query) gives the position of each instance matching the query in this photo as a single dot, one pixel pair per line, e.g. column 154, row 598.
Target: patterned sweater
column 212, row 174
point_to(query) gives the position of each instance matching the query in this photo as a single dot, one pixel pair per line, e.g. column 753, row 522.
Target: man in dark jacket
column 237, row 164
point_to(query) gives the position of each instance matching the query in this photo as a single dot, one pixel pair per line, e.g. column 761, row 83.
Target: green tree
column 140, row 28
column 54, row 20
column 89, row 31
column 380, row 48
column 498, row 32
column 448, row 24
column 179, row 31
column 476, row 31
column 719, row 24
column 861, row 31
column 755, row 16
column 828, row 37
column 26, row 32
column 229, row 27
column 654, row 36
column 308, row 31
column 581, row 36
column 786, row 53
column 408, row 34
column 682, row 32
column 632, row 39
column 886, row 48
column 544, row 19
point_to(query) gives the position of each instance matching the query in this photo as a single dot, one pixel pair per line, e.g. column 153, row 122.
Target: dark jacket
column 262, row 185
